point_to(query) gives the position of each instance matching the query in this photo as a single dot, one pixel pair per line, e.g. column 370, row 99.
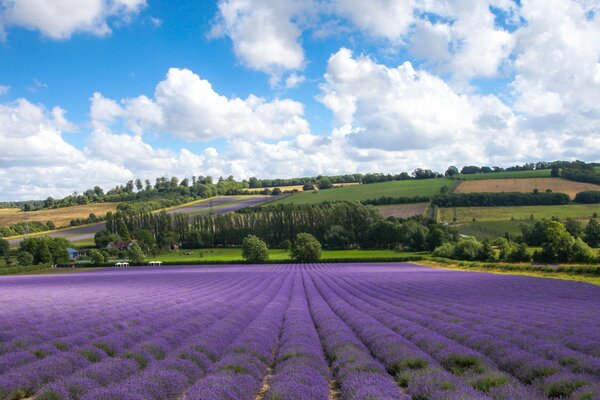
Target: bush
column 4, row 248
column 24, row 258
column 306, row 248
column 136, row 255
column 592, row 233
column 588, row 197
column 96, row 257
column 254, row 249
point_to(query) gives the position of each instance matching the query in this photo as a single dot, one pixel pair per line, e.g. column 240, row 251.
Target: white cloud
column 294, row 80
column 264, row 35
column 388, row 19
column 4, row 89
column 394, row 108
column 61, row 19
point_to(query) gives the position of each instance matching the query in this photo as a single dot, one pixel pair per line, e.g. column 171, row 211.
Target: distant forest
column 173, row 191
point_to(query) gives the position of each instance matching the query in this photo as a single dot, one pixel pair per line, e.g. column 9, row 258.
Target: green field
column 467, row 214
column 235, row 255
column 542, row 173
column 422, row 187
column 492, row 229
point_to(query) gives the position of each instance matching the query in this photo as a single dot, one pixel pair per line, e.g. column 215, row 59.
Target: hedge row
column 588, row 270
column 500, row 199
column 588, row 197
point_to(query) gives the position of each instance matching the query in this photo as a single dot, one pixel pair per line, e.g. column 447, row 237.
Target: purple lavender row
column 239, row 374
column 358, row 375
column 190, row 360
column 301, row 371
column 530, row 368
column 527, row 367
column 467, row 365
column 414, row 369
column 148, row 355
column 459, row 327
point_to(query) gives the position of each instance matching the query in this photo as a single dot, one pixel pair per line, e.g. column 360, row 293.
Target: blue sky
column 113, row 90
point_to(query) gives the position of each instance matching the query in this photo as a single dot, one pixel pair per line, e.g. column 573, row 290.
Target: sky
column 99, row 92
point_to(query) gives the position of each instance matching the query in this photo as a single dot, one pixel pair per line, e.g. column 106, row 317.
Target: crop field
column 493, row 229
column 60, row 216
column 542, row 173
column 466, row 214
column 321, row 332
column 403, row 210
column 525, row 185
column 422, row 187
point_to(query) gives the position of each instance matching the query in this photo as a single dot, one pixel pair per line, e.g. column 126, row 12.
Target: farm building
column 121, row 245
column 73, row 254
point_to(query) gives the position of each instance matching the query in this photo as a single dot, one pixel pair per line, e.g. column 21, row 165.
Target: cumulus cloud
column 61, row 19
column 264, row 34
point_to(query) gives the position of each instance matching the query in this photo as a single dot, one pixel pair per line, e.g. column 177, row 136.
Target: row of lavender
column 297, row 332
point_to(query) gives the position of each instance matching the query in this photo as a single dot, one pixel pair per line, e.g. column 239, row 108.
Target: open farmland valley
column 304, row 331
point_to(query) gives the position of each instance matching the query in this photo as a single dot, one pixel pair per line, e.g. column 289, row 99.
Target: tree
column 136, row 255
column 103, row 238
column 254, row 249
column 24, row 258
column 574, row 227
column 50, row 225
column 592, row 233
column 325, row 183
column 4, row 247
column 96, row 257
column 451, row 171
column 581, row 252
column 276, row 192
column 306, row 248
column 337, row 238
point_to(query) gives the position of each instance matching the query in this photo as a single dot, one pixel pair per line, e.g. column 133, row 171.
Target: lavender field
column 285, row 332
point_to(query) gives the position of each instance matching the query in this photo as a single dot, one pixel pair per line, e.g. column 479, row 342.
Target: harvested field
column 369, row 331
column 60, row 216
column 403, row 210
column 525, row 185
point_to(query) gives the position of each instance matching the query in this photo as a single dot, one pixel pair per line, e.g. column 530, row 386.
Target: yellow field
column 60, row 216
column 526, row 185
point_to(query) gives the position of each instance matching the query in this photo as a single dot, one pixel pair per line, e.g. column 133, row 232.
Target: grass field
column 235, row 254
column 424, row 187
column 492, row 229
column 525, row 185
column 466, row 214
column 542, row 173
column 403, row 210
column 60, row 216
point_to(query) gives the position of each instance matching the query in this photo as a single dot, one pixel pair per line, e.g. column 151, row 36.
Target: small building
column 122, row 264
column 121, row 245
column 73, row 254
column 155, row 263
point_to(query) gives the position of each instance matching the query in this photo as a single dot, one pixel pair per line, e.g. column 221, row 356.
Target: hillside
column 408, row 188
column 525, row 185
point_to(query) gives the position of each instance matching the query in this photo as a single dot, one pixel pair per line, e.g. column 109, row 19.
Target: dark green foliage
column 104, row 237
column 592, row 233
column 96, row 257
column 581, row 173
column 574, row 227
column 46, row 250
column 306, row 248
column 337, row 238
column 4, row 248
column 499, row 199
column 254, row 249
column 560, row 246
column 135, row 254
column 588, row 197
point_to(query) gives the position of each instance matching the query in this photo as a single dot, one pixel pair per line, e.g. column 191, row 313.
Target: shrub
column 136, row 255
column 588, row 197
column 306, row 248
column 24, row 258
column 254, row 249
column 96, row 257
column 499, row 199
column 4, row 247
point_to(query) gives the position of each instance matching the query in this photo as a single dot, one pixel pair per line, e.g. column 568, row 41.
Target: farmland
column 403, row 210
column 541, row 173
column 393, row 331
column 408, row 188
column 60, row 216
column 525, row 185
column 467, row 214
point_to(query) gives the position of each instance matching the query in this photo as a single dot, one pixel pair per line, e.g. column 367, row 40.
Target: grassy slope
column 466, row 214
column 425, row 187
column 543, row 173
column 492, row 229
